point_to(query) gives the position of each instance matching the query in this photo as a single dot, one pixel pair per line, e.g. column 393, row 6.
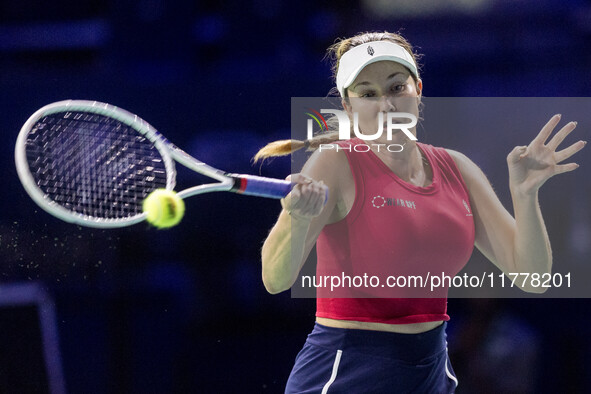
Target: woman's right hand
column 306, row 199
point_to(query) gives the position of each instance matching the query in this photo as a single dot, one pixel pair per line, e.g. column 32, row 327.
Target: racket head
column 91, row 163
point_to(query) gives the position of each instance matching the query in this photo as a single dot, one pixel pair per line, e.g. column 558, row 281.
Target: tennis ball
column 163, row 208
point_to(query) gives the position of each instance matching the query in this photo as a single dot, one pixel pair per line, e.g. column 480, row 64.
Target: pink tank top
column 395, row 230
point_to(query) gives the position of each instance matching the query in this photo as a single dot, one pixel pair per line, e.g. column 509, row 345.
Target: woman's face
column 383, row 86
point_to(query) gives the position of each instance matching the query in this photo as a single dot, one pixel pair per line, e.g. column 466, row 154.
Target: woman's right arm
column 301, row 220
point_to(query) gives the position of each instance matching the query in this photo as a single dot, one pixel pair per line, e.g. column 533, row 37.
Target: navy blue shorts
column 338, row 360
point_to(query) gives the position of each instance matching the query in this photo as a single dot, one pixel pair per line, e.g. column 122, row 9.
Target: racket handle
column 260, row 186
column 263, row 187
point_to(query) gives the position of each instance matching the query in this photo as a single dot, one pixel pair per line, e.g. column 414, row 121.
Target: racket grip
column 253, row 185
column 263, row 187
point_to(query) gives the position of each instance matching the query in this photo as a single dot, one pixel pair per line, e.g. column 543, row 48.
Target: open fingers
column 561, row 135
column 568, row 152
column 547, row 130
column 566, row 168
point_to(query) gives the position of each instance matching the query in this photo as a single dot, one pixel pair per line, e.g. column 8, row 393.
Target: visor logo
column 370, row 50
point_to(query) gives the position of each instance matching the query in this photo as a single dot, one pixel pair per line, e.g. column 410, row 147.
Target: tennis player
column 397, row 345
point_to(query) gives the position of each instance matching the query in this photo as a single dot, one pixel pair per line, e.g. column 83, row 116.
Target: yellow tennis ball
column 163, row 208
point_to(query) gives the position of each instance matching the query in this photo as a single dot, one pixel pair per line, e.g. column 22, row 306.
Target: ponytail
column 287, row 147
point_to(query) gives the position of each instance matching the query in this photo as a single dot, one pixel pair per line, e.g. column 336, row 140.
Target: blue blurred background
column 184, row 310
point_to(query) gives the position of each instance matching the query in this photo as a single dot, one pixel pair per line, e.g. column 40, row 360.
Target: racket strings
column 94, row 165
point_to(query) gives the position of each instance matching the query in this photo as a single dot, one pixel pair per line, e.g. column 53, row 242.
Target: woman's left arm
column 520, row 244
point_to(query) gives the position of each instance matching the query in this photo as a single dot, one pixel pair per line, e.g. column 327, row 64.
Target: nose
column 386, row 104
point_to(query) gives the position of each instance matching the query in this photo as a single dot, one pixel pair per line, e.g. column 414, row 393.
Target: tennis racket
column 93, row 164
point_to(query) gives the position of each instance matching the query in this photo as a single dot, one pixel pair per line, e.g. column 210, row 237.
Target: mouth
column 396, row 120
column 386, row 125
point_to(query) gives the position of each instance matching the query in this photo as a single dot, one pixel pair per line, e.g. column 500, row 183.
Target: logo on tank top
column 467, row 208
column 381, row 202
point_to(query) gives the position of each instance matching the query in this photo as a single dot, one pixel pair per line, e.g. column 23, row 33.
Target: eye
column 367, row 94
column 398, row 88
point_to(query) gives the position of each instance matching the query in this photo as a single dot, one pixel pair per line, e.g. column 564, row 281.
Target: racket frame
column 168, row 151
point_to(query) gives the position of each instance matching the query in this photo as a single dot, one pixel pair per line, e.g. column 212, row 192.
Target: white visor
column 357, row 58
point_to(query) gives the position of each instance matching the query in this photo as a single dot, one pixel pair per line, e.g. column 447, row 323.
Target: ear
column 419, row 88
column 347, row 105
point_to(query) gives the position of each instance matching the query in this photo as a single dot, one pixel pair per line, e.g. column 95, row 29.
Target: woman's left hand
column 530, row 166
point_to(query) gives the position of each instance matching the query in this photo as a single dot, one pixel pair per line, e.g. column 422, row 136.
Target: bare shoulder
column 460, row 159
column 328, row 165
column 332, row 167
column 472, row 174
column 466, row 166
